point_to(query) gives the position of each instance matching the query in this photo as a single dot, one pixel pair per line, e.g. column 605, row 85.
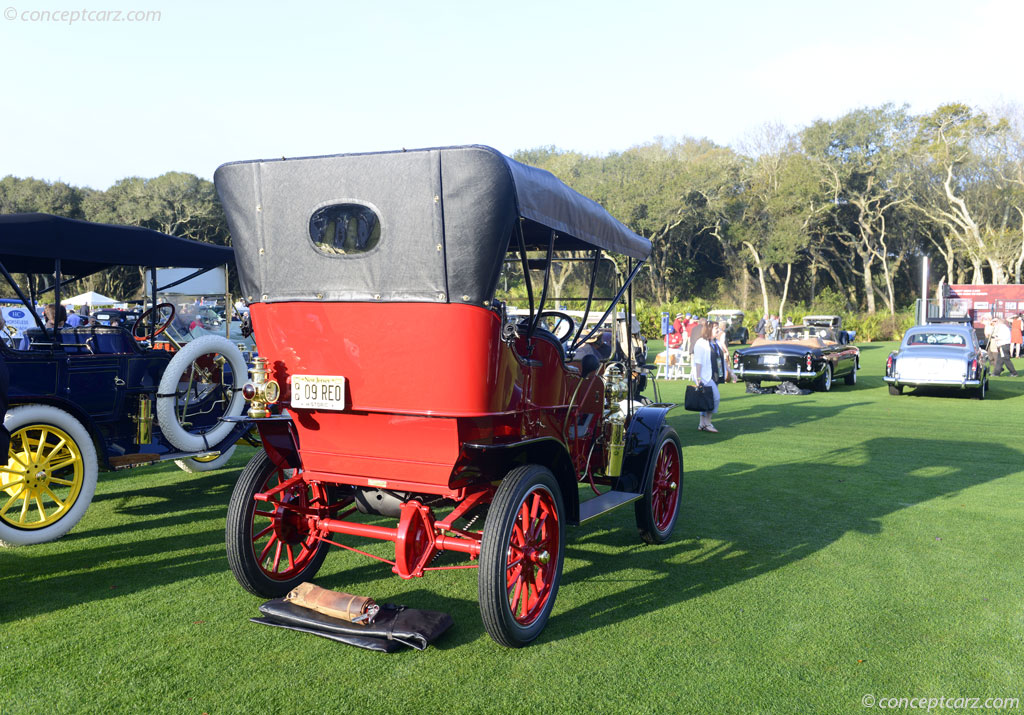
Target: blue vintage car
column 90, row 399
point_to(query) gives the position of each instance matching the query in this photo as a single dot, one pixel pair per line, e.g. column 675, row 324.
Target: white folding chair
column 661, row 360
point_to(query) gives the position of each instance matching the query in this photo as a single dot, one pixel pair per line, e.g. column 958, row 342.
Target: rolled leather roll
column 337, row 604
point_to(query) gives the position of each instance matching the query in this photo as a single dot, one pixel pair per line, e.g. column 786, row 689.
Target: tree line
column 175, row 203
column 842, row 208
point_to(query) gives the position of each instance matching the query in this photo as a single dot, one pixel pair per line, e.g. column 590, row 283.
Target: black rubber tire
column 744, row 336
column 519, row 484
column 895, row 389
column 238, row 535
column 646, row 522
column 851, row 377
column 979, row 393
column 825, row 381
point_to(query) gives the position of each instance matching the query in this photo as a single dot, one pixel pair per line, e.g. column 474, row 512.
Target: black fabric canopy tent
column 31, row 242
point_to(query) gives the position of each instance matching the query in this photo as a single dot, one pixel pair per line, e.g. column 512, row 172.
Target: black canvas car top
column 30, row 242
column 424, row 225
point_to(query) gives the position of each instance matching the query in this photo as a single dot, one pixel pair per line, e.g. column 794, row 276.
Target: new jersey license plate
column 318, row 392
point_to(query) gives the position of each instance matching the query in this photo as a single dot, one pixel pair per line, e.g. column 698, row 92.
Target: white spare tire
column 167, row 395
column 50, row 477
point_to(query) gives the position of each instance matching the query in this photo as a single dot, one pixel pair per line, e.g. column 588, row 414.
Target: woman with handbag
column 707, row 368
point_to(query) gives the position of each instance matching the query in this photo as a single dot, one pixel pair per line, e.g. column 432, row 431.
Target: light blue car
column 939, row 355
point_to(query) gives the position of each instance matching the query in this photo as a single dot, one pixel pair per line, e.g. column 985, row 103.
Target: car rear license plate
column 771, row 360
column 318, row 392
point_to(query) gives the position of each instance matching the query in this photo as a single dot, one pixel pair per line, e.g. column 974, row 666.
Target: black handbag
column 699, row 399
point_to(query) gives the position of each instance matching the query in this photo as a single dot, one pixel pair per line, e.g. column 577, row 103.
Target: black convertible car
column 808, row 355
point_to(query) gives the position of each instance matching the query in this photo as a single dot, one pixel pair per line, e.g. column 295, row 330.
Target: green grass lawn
column 830, row 546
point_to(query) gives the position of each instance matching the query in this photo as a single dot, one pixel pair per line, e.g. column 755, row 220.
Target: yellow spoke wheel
column 50, row 475
column 206, row 464
column 43, row 477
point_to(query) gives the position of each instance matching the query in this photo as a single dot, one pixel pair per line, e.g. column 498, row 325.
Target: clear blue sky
column 93, row 102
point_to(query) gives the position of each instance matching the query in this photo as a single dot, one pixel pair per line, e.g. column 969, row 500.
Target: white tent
column 92, row 298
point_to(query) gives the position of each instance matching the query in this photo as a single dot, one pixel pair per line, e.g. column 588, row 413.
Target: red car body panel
column 422, row 380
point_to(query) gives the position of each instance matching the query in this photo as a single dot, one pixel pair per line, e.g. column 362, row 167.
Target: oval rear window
column 344, row 229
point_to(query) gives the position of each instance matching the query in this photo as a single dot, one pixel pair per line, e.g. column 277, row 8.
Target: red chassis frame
column 437, row 405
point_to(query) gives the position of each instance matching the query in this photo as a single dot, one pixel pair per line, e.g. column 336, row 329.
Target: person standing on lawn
column 1016, row 335
column 761, row 329
column 694, row 332
column 723, row 345
column 674, row 343
column 707, row 368
column 687, row 321
column 999, row 344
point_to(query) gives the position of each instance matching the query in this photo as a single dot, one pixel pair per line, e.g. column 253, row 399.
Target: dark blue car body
column 88, row 399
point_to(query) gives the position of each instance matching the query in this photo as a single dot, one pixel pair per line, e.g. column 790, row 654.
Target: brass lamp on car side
column 261, row 390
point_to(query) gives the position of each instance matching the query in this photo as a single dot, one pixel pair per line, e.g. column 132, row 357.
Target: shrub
column 880, row 326
column 649, row 314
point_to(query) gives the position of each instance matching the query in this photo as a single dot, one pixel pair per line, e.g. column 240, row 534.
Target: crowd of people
column 768, row 326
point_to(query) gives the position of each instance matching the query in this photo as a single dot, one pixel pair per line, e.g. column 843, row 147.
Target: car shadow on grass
column 109, row 563
column 740, row 521
column 194, row 493
column 996, row 391
column 751, row 417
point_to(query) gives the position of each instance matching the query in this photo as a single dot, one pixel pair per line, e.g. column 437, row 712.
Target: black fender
column 280, row 441
column 494, row 461
column 641, row 434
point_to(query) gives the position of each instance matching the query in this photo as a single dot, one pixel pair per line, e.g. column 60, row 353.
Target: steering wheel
column 140, row 322
column 563, row 322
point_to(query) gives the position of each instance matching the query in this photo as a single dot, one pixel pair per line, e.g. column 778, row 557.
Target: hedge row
column 869, row 327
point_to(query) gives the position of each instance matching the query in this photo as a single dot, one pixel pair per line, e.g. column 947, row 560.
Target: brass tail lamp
column 616, row 389
column 262, row 390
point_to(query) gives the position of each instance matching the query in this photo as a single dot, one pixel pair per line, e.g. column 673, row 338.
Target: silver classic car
column 940, row 355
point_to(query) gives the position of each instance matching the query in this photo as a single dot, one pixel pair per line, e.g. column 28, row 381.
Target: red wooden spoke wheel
column 657, row 511
column 270, row 546
column 521, row 555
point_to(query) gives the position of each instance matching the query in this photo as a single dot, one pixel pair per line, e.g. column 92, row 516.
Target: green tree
column 175, row 203
column 779, row 205
column 960, row 186
column 861, row 161
column 36, row 196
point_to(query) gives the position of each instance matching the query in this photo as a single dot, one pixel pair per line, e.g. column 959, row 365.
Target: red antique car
column 393, row 382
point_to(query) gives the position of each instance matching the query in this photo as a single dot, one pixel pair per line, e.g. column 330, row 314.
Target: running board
column 130, row 461
column 603, row 504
